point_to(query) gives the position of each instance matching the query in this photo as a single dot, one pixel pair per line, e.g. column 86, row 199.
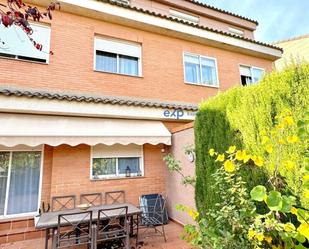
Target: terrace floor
column 172, row 230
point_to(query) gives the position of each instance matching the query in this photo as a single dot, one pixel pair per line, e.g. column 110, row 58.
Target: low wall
column 178, row 193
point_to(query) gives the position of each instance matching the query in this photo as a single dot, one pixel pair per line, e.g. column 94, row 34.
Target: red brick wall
column 71, row 66
column 70, row 174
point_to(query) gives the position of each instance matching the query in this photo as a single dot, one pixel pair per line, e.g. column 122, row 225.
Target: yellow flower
column 264, row 139
column 281, row 141
column 289, row 165
column 229, row 166
column 292, row 139
column 289, row 227
column 289, row 120
column 193, row 214
column 294, row 210
column 306, row 177
column 260, row 237
column 268, row 239
column 303, row 229
column 280, row 126
column 220, row 158
column 251, row 233
column 240, row 154
column 269, row 148
column 259, row 161
column 211, row 152
column 231, row 149
column 246, row 158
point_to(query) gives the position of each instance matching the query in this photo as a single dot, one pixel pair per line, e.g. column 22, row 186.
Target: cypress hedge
column 237, row 116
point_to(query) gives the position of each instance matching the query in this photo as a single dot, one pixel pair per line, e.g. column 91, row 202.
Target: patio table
column 49, row 220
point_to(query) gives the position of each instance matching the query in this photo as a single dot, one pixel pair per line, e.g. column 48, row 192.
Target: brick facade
column 67, row 171
column 72, row 41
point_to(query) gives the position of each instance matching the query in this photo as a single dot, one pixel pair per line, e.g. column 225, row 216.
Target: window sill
column 29, row 61
column 117, row 178
column 120, row 74
column 196, row 84
column 18, row 217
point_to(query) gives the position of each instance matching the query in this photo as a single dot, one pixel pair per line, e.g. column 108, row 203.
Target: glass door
column 19, row 182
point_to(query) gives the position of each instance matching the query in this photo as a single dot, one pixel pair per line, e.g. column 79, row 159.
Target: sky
column 278, row 19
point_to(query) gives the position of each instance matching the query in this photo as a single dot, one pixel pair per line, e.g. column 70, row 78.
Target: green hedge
column 237, row 116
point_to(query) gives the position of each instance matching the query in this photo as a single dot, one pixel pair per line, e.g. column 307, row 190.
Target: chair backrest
column 63, row 202
column 74, row 228
column 115, row 197
column 153, row 209
column 95, row 199
column 112, row 223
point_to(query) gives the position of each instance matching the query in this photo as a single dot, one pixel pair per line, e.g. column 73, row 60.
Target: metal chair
column 60, row 203
column 115, row 197
column 94, row 199
column 112, row 228
column 74, row 229
column 154, row 216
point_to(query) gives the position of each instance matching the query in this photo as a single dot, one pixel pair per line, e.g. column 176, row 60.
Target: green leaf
column 300, row 246
column 274, row 201
column 300, row 238
column 286, row 204
column 258, row 193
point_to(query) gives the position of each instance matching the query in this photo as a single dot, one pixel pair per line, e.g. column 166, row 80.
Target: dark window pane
column 106, row 62
column 128, row 65
column 192, row 69
column 132, row 163
column 103, row 166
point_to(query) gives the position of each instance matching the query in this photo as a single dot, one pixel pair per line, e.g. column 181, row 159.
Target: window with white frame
column 250, row 75
column 116, row 161
column 15, row 43
column 236, row 31
column 184, row 16
column 20, row 174
column 117, row 56
column 200, row 70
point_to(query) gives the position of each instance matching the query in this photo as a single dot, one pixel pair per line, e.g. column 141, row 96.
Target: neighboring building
column 124, row 74
column 295, row 50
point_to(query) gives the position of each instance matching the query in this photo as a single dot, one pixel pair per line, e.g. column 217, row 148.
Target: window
column 250, row 75
column 18, row 46
column 235, row 31
column 122, row 1
column 119, row 57
column 184, row 16
column 114, row 161
column 200, row 70
column 20, row 173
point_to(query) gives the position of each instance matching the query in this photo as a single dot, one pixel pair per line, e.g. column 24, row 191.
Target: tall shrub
column 238, row 117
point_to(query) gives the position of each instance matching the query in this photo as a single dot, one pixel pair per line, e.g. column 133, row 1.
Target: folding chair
column 154, row 216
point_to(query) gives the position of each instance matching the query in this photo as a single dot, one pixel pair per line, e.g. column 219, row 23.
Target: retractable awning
column 33, row 130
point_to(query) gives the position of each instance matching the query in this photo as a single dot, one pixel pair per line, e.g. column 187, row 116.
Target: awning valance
column 33, row 130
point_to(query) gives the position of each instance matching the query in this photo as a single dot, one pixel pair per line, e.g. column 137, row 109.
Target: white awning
column 33, row 130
